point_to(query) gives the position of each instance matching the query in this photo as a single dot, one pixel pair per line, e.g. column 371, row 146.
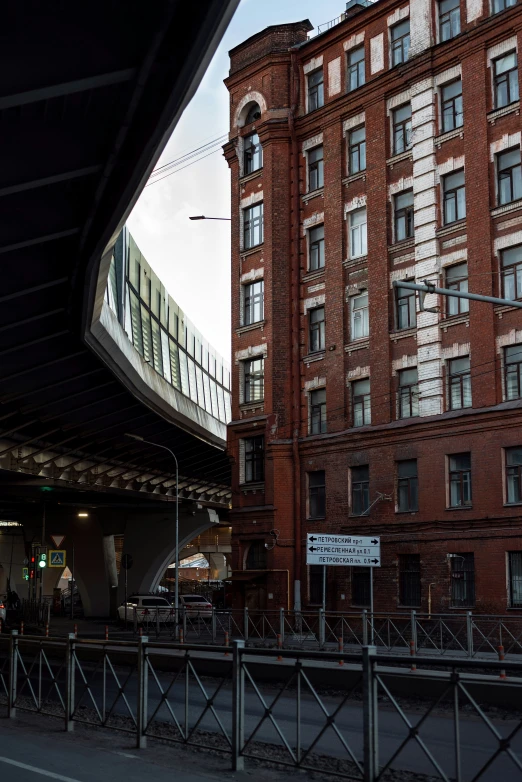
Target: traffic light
column 25, row 573
column 31, row 569
column 42, row 560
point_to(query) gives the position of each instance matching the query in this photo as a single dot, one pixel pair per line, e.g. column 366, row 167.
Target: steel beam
column 67, row 88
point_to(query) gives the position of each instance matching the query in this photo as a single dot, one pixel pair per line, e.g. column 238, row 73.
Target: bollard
column 21, row 628
column 76, row 631
column 412, row 654
column 181, row 636
column 226, row 643
column 501, row 659
column 106, row 632
column 279, row 646
column 341, row 649
column 47, row 629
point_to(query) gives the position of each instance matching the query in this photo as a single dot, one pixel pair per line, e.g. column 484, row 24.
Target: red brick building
column 386, row 148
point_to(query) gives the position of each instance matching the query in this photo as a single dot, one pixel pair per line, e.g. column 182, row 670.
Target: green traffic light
column 42, row 561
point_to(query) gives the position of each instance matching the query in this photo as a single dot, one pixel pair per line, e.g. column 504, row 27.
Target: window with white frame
column 401, row 129
column 509, row 174
column 318, row 411
column 253, row 226
column 459, row 383
column 316, row 334
column 253, row 302
column 449, row 19
column 315, row 168
column 505, row 79
column 252, row 154
column 361, row 405
column 316, row 248
column 356, row 70
column 501, row 5
column 513, row 371
column 406, row 312
column 403, row 215
column 254, row 379
column 514, row 475
column 408, row 393
column 358, row 233
column 511, row 272
column 359, row 320
column 315, row 90
column 451, row 105
column 454, row 197
column 357, row 150
column 400, row 42
column 457, row 280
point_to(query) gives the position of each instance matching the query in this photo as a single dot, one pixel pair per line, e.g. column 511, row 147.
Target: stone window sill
column 244, row 487
column 250, row 407
column 459, row 507
column 512, row 207
column 252, row 327
column 311, row 357
column 313, row 194
column 454, row 321
column 513, row 108
column 249, row 177
column 398, row 158
column 357, row 345
column 404, row 244
column 460, row 225
column 316, row 518
column 354, row 178
column 349, row 262
column 245, row 253
column 513, row 505
column 499, row 311
column 451, row 134
column 403, row 333
column 315, row 275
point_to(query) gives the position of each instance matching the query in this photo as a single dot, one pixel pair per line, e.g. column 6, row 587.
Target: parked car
column 146, row 608
column 195, row 606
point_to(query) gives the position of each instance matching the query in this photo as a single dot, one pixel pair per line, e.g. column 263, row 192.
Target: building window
column 407, row 486
column 462, row 580
column 358, row 233
column 316, row 584
column 454, row 197
column 449, row 19
column 362, row 414
column 452, row 113
column 253, row 302
column 315, row 90
column 253, row 154
column 356, row 74
column 316, row 329
column 408, row 393
column 402, row 129
column 459, row 383
column 513, row 370
column 509, row 176
column 315, row 169
column 254, row 379
column 403, row 212
column 254, row 113
column 515, row 579
column 316, row 495
column 357, row 150
column 253, row 226
column 256, row 556
column 505, row 80
column 400, row 42
column 457, row 280
column 360, row 479
column 512, row 272
column 409, row 580
column 361, row 586
column 514, row 474
column 359, row 321
column 316, row 248
column 500, row 5
column 406, row 315
column 254, row 459
column 318, row 411
column 460, row 480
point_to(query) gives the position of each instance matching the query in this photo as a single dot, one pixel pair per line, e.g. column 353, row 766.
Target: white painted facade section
column 313, row 65
column 244, row 103
column 310, row 143
column 250, row 352
column 377, row 53
column 356, row 203
column 353, row 41
column 311, row 385
column 354, row 122
column 253, row 198
column 253, row 274
column 474, row 9
column 313, row 301
column 421, row 33
column 501, row 48
column 507, row 141
column 508, row 240
column 398, row 15
column 356, row 373
column 334, row 76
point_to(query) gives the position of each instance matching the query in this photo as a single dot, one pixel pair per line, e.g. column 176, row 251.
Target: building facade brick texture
column 390, row 151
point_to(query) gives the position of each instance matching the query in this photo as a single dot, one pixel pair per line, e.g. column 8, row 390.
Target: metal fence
column 268, row 704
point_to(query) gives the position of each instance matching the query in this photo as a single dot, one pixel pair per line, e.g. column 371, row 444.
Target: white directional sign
column 345, row 550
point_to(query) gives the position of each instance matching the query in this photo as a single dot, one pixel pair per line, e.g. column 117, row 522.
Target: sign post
column 126, row 563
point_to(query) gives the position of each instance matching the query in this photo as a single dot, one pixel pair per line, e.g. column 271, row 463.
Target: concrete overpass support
column 12, row 554
column 218, row 566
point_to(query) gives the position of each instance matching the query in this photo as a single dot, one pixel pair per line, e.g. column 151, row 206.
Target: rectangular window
column 514, row 474
column 253, row 226
column 254, row 379
column 408, row 393
column 409, row 580
column 253, row 302
column 407, row 486
column 318, row 411
column 362, row 414
column 316, row 584
column 316, row 495
column 254, row 459
column 357, row 150
column 509, row 176
column 505, row 80
column 449, row 19
column 511, row 271
column 513, row 371
column 400, row 42
column 459, row 383
column 361, row 586
column 515, row 579
column 316, row 248
column 401, row 129
column 360, row 479
column 315, row 169
column 403, row 214
column 316, row 329
column 457, row 280
column 451, row 100
column 315, row 90
column 359, row 321
column 454, row 197
column 356, row 72
column 406, row 314
column 500, row 5
column 460, row 480
column 462, row 580
column 358, row 233
column 253, row 154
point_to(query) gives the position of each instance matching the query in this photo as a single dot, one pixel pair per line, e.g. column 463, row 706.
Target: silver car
column 145, row 608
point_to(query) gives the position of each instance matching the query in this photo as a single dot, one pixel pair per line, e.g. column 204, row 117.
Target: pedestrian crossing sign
column 56, row 558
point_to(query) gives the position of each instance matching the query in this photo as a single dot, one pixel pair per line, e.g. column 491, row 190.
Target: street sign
column 343, row 550
column 57, row 540
column 57, row 558
column 126, row 561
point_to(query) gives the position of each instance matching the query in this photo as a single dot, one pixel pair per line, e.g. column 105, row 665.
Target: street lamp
column 203, row 217
column 176, row 574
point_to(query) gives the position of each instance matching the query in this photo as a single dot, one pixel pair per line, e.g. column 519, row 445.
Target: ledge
column 352, row 347
column 459, row 226
column 250, row 177
column 451, row 134
column 245, row 253
column 313, row 194
column 399, row 158
column 253, row 487
column 405, row 244
column 513, row 108
column 445, row 324
column 512, row 207
column 499, row 311
column 315, row 275
column 354, row 178
column 311, row 357
column 260, row 324
column 403, row 334
column 349, row 262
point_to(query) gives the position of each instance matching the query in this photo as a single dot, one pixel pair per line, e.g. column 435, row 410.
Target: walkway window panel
column 513, row 371
column 174, row 364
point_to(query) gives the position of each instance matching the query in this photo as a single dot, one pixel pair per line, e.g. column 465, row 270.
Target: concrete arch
column 245, row 104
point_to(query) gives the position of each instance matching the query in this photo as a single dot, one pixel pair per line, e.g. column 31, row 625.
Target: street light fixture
column 176, row 574
column 203, row 217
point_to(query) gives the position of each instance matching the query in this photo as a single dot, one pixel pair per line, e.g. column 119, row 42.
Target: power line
column 181, row 169
column 190, row 152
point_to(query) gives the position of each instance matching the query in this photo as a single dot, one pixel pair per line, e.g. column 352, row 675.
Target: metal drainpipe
column 296, row 375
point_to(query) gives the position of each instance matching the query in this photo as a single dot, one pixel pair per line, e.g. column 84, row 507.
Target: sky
column 193, row 258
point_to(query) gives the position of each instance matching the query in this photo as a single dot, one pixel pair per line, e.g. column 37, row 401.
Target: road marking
column 126, row 755
column 37, row 770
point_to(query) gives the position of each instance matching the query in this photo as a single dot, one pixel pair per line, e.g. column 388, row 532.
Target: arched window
column 254, row 113
column 256, row 557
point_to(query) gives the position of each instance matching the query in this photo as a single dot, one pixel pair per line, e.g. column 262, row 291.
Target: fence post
column 370, row 729
column 238, row 706
column 469, row 628
column 184, row 610
column 157, row 622
column 414, row 630
column 13, row 674
column 69, row 682
column 214, row 634
column 321, row 627
column 282, row 624
column 143, row 694
column 245, row 624
column 365, row 627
